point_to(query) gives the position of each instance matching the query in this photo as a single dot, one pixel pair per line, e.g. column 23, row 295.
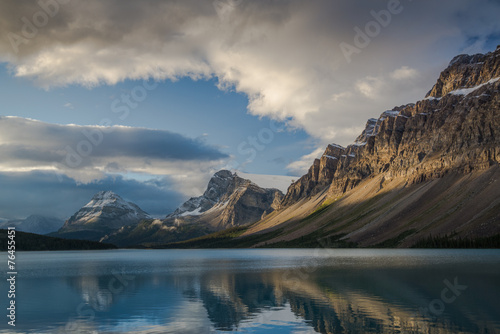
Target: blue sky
column 191, row 87
column 196, row 109
column 193, row 108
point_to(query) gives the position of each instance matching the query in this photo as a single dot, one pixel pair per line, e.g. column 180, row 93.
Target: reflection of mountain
column 330, row 300
column 374, row 302
column 229, row 299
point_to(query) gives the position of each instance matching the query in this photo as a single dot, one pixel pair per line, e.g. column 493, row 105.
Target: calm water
column 256, row 291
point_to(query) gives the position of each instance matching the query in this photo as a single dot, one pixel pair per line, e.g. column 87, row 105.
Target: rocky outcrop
column 319, row 176
column 220, row 184
column 466, row 71
column 453, row 129
column 229, row 200
column 421, row 169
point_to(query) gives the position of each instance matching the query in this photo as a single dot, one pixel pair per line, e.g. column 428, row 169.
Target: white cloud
column 301, row 166
column 284, row 55
column 370, row 86
column 404, row 73
column 69, row 105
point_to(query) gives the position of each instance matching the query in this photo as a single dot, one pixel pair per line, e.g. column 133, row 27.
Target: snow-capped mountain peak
column 106, row 211
column 108, row 198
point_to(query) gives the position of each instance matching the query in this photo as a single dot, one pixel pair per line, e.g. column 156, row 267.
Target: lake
column 256, row 291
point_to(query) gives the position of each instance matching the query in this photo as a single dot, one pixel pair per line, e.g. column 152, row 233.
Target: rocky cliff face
column 105, row 212
column 467, row 71
column 319, row 176
column 421, row 169
column 220, row 184
column 229, row 200
column 455, row 128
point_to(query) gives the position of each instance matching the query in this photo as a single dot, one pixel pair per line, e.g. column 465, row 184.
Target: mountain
column 420, row 171
column 105, row 213
column 220, row 184
column 319, row 176
column 34, row 224
column 228, row 201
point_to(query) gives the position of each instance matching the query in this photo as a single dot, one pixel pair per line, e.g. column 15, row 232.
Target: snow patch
column 390, row 113
column 195, row 212
column 337, row 146
column 467, row 91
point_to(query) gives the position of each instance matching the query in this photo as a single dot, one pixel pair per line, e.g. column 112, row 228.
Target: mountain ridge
column 228, row 201
column 393, row 184
column 430, row 168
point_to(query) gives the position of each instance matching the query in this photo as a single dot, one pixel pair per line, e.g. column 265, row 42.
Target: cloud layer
column 156, row 169
column 86, row 153
column 285, row 55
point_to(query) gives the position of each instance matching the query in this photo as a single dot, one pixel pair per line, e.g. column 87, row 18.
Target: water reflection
column 241, row 294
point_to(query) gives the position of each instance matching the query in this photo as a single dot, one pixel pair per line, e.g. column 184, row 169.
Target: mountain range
column 34, row 224
column 229, row 201
column 422, row 171
column 419, row 171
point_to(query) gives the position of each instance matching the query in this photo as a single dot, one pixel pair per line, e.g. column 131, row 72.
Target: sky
column 150, row 98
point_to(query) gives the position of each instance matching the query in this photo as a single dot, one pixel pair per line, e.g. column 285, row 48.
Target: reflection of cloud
column 188, row 318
